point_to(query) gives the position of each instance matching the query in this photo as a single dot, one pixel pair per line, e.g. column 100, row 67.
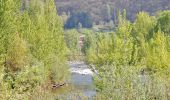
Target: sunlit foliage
column 133, row 61
column 32, row 48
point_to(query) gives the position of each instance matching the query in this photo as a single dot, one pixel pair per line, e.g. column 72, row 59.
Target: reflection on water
column 81, row 84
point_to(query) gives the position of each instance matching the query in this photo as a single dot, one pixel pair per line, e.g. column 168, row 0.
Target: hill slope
column 105, row 10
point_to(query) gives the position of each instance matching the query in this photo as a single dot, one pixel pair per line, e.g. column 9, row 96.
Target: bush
column 33, row 49
column 132, row 62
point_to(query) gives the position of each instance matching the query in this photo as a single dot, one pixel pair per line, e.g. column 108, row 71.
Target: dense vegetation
column 32, row 49
column 132, row 62
column 104, row 11
column 79, row 19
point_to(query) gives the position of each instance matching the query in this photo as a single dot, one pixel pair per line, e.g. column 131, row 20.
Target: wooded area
column 104, row 11
column 42, row 49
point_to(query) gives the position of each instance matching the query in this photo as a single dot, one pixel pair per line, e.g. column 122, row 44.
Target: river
column 82, row 86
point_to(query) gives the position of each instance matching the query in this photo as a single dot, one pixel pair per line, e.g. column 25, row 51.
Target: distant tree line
column 79, row 19
column 107, row 10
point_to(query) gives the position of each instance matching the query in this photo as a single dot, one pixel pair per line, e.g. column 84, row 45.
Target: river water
column 82, row 86
column 82, row 79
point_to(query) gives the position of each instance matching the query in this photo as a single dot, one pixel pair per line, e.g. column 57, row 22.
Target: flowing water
column 82, row 78
column 82, row 86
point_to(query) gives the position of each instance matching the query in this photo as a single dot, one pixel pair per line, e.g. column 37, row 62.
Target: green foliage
column 123, row 58
column 17, row 54
column 72, row 39
column 164, row 21
column 32, row 49
column 126, row 83
column 144, row 24
column 157, row 53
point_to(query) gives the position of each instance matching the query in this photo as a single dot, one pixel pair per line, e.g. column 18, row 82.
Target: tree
column 33, row 48
column 142, row 32
column 163, row 22
column 79, row 17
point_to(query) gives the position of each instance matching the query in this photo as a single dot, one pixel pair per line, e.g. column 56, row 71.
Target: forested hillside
column 102, row 11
